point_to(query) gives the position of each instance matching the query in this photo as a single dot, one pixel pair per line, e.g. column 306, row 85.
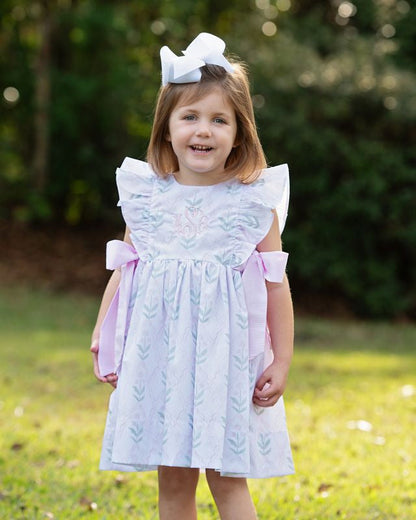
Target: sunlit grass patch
column 351, row 407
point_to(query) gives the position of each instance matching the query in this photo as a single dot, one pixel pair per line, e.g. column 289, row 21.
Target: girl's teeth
column 201, row 148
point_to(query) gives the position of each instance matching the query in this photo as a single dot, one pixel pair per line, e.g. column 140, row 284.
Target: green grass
column 52, row 414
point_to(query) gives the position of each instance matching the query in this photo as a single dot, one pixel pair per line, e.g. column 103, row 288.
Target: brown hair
column 246, row 159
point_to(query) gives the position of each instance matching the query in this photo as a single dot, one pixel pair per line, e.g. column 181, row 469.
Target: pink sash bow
column 114, row 326
column 259, row 267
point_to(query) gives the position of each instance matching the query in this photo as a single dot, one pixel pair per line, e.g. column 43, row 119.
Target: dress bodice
column 221, row 223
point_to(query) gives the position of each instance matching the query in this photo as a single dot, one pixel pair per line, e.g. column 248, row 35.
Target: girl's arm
column 272, row 382
column 108, row 295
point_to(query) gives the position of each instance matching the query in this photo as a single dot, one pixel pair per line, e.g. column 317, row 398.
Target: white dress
column 184, row 395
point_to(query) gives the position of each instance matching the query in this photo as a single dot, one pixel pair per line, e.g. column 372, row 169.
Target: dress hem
column 127, row 468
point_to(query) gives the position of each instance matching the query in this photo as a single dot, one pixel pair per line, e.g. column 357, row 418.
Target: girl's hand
column 270, row 386
column 110, row 378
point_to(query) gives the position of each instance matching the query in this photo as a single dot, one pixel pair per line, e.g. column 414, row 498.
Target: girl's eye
column 219, row 120
column 189, row 117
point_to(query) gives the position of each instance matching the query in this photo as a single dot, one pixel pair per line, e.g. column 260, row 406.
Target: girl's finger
column 112, row 380
column 96, row 369
column 265, row 403
column 267, row 392
column 263, row 380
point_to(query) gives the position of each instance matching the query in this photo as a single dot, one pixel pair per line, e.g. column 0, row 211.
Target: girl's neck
column 200, row 179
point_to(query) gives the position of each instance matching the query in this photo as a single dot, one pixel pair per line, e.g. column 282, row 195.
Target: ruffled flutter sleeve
column 270, row 191
column 135, row 181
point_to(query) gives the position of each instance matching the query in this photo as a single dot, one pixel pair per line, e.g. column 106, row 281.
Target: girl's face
column 202, row 134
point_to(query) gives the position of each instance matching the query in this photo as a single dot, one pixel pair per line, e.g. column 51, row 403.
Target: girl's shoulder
column 134, row 178
column 271, row 190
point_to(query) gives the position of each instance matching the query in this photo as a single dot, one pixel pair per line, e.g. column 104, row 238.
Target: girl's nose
column 203, row 129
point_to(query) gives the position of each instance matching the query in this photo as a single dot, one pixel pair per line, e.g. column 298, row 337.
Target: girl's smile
column 198, row 148
column 202, row 134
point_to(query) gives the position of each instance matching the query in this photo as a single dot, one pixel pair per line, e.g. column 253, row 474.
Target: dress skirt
column 184, row 395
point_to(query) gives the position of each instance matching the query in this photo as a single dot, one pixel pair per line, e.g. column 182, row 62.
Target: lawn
column 351, row 408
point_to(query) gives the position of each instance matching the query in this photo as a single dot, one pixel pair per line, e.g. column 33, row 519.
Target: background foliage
column 334, row 87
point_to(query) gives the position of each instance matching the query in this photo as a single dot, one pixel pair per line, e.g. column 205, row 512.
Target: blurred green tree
column 335, row 102
column 334, row 92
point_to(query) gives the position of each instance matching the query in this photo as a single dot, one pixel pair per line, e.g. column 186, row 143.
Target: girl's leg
column 231, row 496
column 177, row 488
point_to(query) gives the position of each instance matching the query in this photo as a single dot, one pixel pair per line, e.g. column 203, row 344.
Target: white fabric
column 184, row 396
column 204, row 49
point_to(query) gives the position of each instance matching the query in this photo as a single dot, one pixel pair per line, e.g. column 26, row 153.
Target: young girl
column 198, row 337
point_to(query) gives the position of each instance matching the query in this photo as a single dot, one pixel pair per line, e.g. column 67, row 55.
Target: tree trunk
column 42, row 101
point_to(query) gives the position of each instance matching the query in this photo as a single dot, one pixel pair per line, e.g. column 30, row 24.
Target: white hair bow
column 205, row 48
